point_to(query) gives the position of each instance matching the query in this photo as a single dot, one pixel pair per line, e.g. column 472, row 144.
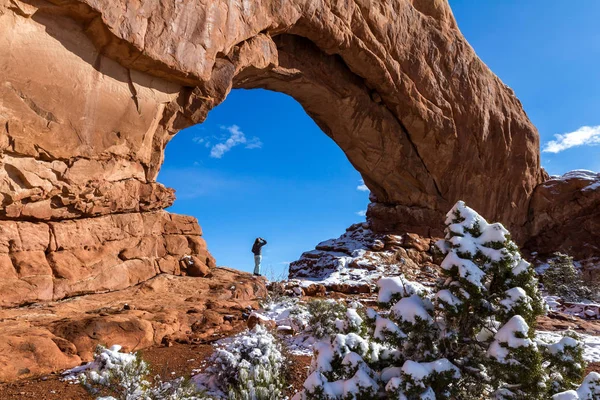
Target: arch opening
column 260, row 166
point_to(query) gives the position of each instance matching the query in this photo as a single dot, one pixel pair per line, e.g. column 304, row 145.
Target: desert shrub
column 325, row 317
column 565, row 360
column 123, row 376
column 562, row 279
column 247, row 367
column 470, row 338
column 588, row 390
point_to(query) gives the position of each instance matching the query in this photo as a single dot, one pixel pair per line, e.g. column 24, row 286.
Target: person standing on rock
column 257, row 250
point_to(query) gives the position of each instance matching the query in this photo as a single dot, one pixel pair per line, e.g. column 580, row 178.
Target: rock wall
column 565, row 216
column 91, row 92
column 54, row 260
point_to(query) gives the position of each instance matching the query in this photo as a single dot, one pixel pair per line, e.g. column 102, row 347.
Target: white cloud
column 362, row 213
column 254, row 143
column 362, row 187
column 201, row 140
column 584, row 136
column 234, row 137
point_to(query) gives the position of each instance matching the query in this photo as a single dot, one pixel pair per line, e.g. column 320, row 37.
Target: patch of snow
column 588, row 390
column 347, row 260
column 398, row 285
column 505, row 339
column 446, row 297
column 582, row 309
column 385, row 325
column 466, row 268
column 410, row 309
column 514, row 297
column 591, row 344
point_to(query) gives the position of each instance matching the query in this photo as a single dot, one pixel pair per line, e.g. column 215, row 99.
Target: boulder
column 259, row 319
column 414, row 241
column 314, row 291
column 565, row 215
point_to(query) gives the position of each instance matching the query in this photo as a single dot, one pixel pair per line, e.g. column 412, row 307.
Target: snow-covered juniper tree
column 489, row 303
column 563, row 279
column 470, row 338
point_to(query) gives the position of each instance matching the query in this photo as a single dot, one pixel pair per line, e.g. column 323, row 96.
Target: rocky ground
column 46, row 337
column 175, row 359
column 174, row 321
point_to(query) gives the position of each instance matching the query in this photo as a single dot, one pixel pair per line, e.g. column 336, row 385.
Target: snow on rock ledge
column 354, row 262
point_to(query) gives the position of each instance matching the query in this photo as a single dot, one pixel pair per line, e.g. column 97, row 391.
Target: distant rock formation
column 565, row 215
column 91, row 91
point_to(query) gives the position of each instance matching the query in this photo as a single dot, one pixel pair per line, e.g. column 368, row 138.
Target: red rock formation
column 565, row 215
column 354, row 262
column 91, row 91
column 56, row 335
column 47, row 261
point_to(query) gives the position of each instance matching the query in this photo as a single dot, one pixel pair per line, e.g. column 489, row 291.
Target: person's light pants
column 257, row 259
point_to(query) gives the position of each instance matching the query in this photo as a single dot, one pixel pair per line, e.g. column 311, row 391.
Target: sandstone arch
column 92, row 91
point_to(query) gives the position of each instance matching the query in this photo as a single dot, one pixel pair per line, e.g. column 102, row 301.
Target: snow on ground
column 591, row 343
column 289, row 312
column 582, row 309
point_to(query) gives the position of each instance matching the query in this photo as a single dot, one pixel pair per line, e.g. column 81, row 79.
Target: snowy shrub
column 123, row 373
column 326, row 317
column 471, row 338
column 589, row 389
column 123, row 376
column 562, row 279
column 247, row 367
column 565, row 359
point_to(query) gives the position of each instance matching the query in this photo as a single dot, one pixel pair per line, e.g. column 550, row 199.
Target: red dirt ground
column 167, row 362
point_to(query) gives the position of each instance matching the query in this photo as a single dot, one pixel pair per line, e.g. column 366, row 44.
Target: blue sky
column 259, row 166
column 548, row 51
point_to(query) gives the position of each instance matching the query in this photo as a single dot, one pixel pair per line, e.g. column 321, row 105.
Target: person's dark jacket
column 257, row 247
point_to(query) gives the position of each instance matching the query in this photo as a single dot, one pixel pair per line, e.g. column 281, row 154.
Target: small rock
column 414, row 241
column 377, row 245
column 259, row 319
column 314, row 291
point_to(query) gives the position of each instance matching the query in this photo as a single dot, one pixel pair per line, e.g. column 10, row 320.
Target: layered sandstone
column 46, row 261
column 394, row 84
